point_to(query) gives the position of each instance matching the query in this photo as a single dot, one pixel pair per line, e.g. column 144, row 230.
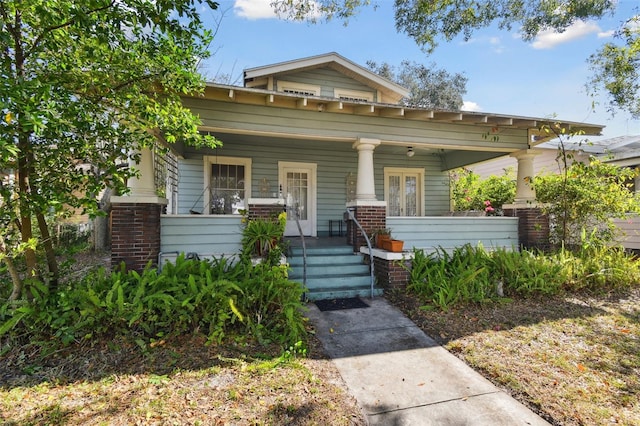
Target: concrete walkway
column 400, row 376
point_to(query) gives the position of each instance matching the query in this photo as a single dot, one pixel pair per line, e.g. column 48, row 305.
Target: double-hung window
column 228, row 184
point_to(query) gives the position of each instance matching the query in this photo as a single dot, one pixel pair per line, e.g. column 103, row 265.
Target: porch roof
column 535, row 125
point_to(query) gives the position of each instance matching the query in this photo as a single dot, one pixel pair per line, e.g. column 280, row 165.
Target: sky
column 543, row 78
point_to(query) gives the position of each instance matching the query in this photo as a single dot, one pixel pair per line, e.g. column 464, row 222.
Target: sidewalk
column 400, row 376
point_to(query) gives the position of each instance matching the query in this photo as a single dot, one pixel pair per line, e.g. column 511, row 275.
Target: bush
column 217, row 298
column 475, row 275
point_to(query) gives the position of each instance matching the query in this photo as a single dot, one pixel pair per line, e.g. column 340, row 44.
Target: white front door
column 298, row 182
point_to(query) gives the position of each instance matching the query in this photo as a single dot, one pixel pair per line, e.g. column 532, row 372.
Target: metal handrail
column 366, row 237
column 304, row 247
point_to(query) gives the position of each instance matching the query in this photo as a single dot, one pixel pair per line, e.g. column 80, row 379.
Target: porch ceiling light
column 410, row 152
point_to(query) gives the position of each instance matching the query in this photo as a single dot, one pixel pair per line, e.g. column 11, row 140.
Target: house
column 317, row 136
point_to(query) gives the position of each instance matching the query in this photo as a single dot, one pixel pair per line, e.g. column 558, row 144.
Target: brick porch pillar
column 533, row 224
column 135, row 219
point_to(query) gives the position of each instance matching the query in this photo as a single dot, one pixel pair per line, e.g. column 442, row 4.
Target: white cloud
column 470, row 106
column 606, row 34
column 549, row 39
column 254, row 9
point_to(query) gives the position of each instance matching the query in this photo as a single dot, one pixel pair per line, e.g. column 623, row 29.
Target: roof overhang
column 493, row 122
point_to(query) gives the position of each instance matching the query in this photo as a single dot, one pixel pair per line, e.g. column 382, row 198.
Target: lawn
column 575, row 360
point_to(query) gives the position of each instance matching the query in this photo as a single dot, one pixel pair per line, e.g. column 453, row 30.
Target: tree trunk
column 16, row 290
column 52, row 262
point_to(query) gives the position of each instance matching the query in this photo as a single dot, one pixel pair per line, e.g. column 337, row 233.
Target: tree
column 429, row 87
column 426, row 21
column 584, row 197
column 616, row 68
column 85, row 82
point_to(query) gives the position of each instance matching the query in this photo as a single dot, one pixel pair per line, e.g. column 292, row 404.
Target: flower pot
column 380, row 240
column 394, row 245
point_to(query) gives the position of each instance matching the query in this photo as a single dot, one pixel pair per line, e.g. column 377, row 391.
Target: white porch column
column 525, row 193
column 365, row 187
column 143, row 185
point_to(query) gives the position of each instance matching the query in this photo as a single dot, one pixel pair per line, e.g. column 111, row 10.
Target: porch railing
column 366, row 238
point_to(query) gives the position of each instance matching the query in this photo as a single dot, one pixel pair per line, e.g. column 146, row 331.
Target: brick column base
column 371, row 217
column 135, row 234
column 265, row 211
column 392, row 274
column 533, row 226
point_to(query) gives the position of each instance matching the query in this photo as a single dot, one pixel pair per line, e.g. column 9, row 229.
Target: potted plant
column 394, row 245
column 381, row 235
column 261, row 236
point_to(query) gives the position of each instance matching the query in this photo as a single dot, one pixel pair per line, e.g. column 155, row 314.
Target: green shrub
column 471, row 274
column 218, row 298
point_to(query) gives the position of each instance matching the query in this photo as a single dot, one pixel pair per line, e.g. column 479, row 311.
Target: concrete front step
column 324, row 294
column 332, row 272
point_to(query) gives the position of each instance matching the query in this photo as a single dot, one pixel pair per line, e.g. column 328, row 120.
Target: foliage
column 469, row 192
column 426, row 21
column 586, row 197
column 472, row 274
column 84, row 82
column 429, row 87
column 615, row 69
column 218, row 298
column 264, row 238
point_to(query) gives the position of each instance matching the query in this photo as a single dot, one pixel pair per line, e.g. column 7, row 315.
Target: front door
column 298, row 182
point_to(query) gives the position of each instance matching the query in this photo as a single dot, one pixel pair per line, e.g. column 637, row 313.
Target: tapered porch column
column 368, row 211
column 135, row 218
column 525, row 192
column 365, row 187
column 533, row 223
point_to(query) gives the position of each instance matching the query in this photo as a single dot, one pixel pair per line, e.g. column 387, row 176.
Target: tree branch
column 68, row 23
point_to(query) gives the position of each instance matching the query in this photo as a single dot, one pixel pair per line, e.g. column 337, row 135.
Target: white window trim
column 298, row 87
column 389, row 171
column 210, row 160
column 346, row 93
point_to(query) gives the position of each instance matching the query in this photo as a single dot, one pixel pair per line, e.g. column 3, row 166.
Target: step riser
column 335, row 283
column 331, row 251
column 334, row 270
column 325, row 260
column 340, row 294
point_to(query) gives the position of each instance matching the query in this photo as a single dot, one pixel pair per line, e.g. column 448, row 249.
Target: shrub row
column 473, row 274
column 219, row 298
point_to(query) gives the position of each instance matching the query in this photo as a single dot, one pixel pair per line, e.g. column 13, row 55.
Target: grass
column 179, row 383
column 574, row 360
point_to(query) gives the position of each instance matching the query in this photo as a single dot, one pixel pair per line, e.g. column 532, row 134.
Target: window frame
column 283, row 85
column 209, row 161
column 349, row 95
column 402, row 171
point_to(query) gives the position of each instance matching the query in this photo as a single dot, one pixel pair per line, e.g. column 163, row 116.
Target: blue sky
column 506, row 75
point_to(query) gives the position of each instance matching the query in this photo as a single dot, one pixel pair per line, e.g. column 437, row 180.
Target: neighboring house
column 319, row 135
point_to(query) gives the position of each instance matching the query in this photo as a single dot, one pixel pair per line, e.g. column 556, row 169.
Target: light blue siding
column 205, row 235
column 449, row 232
column 334, row 161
